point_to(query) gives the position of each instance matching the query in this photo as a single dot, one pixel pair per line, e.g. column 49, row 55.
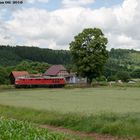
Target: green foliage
column 123, row 75
column 136, row 73
column 94, row 82
column 89, row 53
column 99, row 81
column 112, row 78
column 101, row 78
column 135, row 57
column 11, row 56
column 8, row 57
column 11, row 129
column 4, row 79
column 35, row 60
column 122, row 60
column 32, row 67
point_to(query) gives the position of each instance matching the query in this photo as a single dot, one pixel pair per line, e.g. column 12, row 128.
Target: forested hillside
column 121, row 63
column 125, row 57
column 10, row 56
column 123, row 60
column 126, row 62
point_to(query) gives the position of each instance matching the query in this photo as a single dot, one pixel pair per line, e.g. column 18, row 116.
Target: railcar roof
column 40, row 78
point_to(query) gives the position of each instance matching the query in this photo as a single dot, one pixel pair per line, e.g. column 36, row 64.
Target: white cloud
column 56, row 29
column 5, row 36
column 123, row 41
column 74, row 3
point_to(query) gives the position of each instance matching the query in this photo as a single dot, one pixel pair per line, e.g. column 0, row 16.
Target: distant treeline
column 11, row 56
column 122, row 63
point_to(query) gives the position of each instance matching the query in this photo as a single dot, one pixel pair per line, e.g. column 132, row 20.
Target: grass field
column 114, row 111
column 87, row 100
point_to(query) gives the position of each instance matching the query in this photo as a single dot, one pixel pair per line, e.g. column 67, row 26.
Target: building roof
column 55, row 69
column 19, row 73
column 35, row 75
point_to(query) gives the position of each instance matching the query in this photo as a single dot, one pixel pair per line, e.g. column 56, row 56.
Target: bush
column 123, row 76
column 112, row 78
column 136, row 73
column 4, row 79
column 101, row 78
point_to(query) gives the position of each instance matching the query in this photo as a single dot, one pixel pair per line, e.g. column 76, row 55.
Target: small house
column 60, row 70
column 57, row 70
column 16, row 74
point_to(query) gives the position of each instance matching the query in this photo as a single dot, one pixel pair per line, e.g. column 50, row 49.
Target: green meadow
column 113, row 111
column 86, row 100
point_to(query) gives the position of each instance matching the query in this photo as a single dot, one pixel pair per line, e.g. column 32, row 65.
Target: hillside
column 122, row 60
column 10, row 56
column 124, row 57
column 37, row 60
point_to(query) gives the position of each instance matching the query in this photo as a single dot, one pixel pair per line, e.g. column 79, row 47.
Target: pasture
column 86, row 100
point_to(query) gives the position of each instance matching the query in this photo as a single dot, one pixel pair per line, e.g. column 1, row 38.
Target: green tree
column 123, row 75
column 32, row 67
column 4, row 79
column 89, row 52
column 136, row 73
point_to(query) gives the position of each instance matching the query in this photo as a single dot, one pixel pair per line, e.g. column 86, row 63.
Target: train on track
column 27, row 82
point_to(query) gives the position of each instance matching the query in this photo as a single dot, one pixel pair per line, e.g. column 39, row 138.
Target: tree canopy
column 11, row 56
column 32, row 67
column 89, row 52
column 4, row 79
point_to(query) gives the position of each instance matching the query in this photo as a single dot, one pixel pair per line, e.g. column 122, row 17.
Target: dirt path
column 81, row 134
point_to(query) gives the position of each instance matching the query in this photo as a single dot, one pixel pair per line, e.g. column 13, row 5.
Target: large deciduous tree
column 89, row 52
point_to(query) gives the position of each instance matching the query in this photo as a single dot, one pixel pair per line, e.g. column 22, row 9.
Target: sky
column 54, row 23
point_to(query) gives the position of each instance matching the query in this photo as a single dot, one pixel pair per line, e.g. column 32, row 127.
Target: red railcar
column 40, row 82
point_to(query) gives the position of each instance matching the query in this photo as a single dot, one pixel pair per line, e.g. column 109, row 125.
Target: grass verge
column 122, row 125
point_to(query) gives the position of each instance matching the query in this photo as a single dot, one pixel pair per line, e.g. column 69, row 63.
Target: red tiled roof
column 19, row 73
column 53, row 70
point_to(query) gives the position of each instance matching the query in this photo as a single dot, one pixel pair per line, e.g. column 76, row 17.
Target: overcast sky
column 54, row 23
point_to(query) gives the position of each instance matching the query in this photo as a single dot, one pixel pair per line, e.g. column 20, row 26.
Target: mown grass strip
column 122, row 125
